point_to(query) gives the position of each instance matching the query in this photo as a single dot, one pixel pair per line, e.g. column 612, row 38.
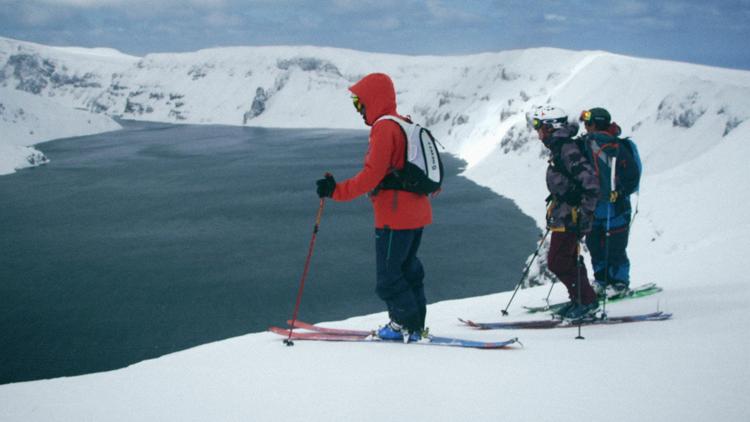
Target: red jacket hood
column 378, row 95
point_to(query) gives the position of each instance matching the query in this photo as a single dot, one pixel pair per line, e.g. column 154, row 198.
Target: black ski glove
column 326, row 186
column 582, row 221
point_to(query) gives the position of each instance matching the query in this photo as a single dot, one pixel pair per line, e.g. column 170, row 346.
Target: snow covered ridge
column 677, row 112
column 690, row 236
column 40, row 92
column 474, row 103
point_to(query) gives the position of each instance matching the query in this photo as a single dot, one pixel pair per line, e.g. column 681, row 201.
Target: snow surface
column 690, row 236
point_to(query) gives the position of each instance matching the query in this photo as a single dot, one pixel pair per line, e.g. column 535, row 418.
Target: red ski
column 315, row 332
column 317, row 328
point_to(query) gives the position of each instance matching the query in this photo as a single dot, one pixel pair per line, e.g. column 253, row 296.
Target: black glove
column 326, row 186
column 573, row 196
column 582, row 221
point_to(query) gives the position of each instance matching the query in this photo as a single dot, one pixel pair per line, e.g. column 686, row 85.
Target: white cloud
column 674, row 8
column 551, row 17
column 221, row 20
column 654, row 23
column 310, row 22
column 91, row 4
column 439, row 11
column 84, row 4
column 347, row 5
column 36, row 16
column 629, row 7
column 388, row 23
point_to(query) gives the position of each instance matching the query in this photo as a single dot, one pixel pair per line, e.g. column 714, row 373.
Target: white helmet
column 547, row 115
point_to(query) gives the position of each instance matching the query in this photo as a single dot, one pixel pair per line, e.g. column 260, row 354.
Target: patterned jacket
column 572, row 183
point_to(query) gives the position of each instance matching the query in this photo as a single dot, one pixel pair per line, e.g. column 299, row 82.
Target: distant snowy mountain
column 476, row 105
column 42, row 90
column 690, row 123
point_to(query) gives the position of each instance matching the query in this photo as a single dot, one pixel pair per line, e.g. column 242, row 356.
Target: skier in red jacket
column 400, row 216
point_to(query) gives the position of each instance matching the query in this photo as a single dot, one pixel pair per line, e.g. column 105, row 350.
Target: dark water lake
column 137, row 243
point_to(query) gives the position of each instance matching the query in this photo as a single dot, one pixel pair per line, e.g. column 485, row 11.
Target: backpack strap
column 392, row 180
column 598, row 152
column 401, row 122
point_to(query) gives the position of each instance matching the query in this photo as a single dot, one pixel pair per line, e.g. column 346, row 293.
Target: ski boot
column 394, row 331
column 581, row 312
column 560, row 313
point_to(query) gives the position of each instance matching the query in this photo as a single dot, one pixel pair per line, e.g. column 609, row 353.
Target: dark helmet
column 598, row 117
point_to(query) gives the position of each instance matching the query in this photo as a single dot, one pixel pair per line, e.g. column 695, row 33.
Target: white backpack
column 423, row 168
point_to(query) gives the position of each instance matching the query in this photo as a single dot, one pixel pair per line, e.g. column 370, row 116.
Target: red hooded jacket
column 395, row 209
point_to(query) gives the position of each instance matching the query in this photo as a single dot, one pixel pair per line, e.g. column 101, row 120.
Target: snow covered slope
column 690, row 236
column 42, row 91
column 27, row 119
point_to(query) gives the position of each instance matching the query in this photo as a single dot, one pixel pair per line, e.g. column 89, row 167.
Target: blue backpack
column 633, row 150
column 600, row 150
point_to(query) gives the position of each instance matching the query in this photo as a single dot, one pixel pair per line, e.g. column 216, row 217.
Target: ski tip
column 471, row 323
column 296, row 324
column 506, row 344
column 659, row 315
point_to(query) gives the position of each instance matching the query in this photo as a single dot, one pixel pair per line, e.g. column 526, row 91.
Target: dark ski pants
column 617, row 263
column 400, row 275
column 561, row 260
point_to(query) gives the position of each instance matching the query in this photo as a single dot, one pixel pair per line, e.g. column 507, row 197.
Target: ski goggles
column 585, row 116
column 357, row 104
column 537, row 123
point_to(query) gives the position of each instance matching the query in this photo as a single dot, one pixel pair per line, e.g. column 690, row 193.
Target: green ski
column 647, row 289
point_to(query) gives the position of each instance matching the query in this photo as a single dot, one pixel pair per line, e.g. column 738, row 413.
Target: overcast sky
column 699, row 31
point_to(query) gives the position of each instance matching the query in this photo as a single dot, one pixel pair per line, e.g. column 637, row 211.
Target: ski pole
column 606, row 238
column 635, row 213
column 525, row 272
column 549, row 293
column 579, row 264
column 289, row 341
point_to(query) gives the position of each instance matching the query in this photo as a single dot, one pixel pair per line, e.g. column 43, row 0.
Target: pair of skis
column 315, row 332
column 634, row 293
column 307, row 331
column 647, row 289
column 556, row 323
